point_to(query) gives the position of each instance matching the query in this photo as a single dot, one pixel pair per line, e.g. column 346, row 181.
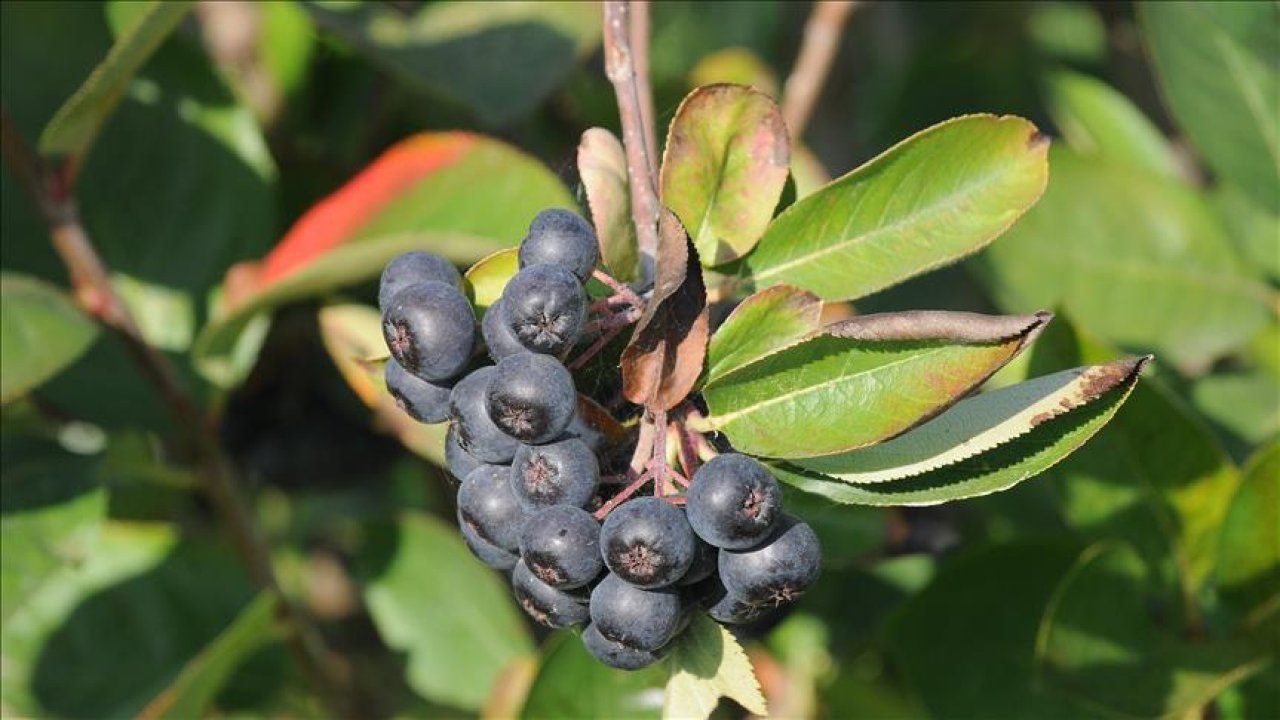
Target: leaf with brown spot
column 664, row 359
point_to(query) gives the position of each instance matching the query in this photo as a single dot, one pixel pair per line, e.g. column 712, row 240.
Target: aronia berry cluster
column 530, row 475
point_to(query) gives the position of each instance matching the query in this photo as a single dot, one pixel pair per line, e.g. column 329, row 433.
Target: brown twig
column 639, row 36
column 821, row 41
column 620, row 67
column 52, row 188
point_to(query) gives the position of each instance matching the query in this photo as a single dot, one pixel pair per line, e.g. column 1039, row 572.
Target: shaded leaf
column 1097, row 119
column 664, row 358
column 998, row 468
column 1217, row 68
column 72, row 130
column 602, row 165
column 723, row 168
column 457, row 642
column 1253, row 229
column 41, row 332
column 764, row 323
column 862, row 380
column 1098, row 646
column 194, row 689
column 500, row 61
column 1135, row 258
column 1248, row 563
column 706, row 665
column 932, row 199
column 573, row 684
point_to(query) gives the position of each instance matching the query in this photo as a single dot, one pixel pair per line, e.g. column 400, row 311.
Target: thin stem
column 54, row 192
column 594, row 349
column 623, row 495
column 620, row 67
column 659, row 463
column 639, row 36
column 619, row 288
column 818, row 49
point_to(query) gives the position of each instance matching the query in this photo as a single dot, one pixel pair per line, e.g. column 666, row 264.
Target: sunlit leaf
column 762, row 324
column 1096, row 119
column 41, row 332
column 706, row 665
column 602, row 165
column 1248, row 563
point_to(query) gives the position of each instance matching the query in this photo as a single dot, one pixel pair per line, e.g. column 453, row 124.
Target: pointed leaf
column 974, row 426
column 764, row 323
column 664, row 359
column 196, row 686
column 1098, row 645
column 862, row 380
column 999, row 468
column 72, row 130
column 1097, row 119
column 1248, row 567
column 41, row 333
column 457, row 642
column 706, row 665
column 602, row 165
column 1216, row 63
column 934, row 198
column 726, row 160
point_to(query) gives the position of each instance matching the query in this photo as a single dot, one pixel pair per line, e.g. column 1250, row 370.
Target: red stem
column 623, row 495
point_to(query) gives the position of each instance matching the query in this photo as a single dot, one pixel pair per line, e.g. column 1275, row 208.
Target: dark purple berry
column 459, row 462
column 617, row 655
column 637, row 618
column 561, row 546
column 777, row 571
column 499, row 339
column 733, row 502
column 531, row 397
column 412, row 268
column 546, row 308
column 647, row 542
column 725, row 607
column 564, row 472
column 487, row 506
column 548, row 606
column 561, row 237
column 430, row 330
column 476, row 433
column 705, row 560
column 424, row 401
column 488, row 553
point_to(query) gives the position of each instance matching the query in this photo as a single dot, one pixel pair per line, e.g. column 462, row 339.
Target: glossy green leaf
column 706, row 665
column 1136, row 259
column 485, row 281
column 934, row 198
column 861, row 380
column 501, row 61
column 726, row 160
column 75, row 126
column 199, row 681
column 1248, row 563
column 1098, row 646
column 41, row 332
column 572, row 684
column 764, row 323
column 456, row 642
column 966, row 643
column 602, row 165
column 1218, row 70
column 1096, row 119
column 999, row 467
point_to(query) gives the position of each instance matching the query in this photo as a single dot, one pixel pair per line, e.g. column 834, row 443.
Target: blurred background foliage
column 1138, row 578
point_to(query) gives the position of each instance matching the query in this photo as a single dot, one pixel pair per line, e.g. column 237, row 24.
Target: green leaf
column 572, row 684
column 457, row 642
column 75, row 126
column 862, row 380
column 726, row 160
column 485, row 281
column 934, row 198
column 1137, row 259
column 706, row 665
column 1096, row 119
column 934, row 477
column 1098, row 646
column 761, row 325
column 196, row 686
column 41, row 332
column 1218, row 70
column 1253, row 228
column 500, row 61
column 1248, row 563
column 966, row 643
column 602, row 165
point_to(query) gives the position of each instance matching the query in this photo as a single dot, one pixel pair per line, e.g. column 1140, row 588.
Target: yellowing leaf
column 709, row 664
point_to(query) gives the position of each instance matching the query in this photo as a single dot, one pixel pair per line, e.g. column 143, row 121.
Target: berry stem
column 684, row 443
column 619, row 289
column 659, row 463
column 594, row 349
column 623, row 495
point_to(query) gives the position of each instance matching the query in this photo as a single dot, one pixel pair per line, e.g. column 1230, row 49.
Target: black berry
column 564, row 472
column 487, row 506
column 412, row 268
column 548, row 606
column 637, row 618
column 560, row 237
column 488, row 553
column 476, row 433
column 531, row 397
column 647, row 542
column 430, row 330
column 778, row 570
column 733, row 502
column 561, row 546
column 459, row 462
column 617, row 655
column 423, row 400
column 499, row 339
column 546, row 308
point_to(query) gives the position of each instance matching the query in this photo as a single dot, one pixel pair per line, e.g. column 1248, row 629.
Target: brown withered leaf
column 662, row 362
